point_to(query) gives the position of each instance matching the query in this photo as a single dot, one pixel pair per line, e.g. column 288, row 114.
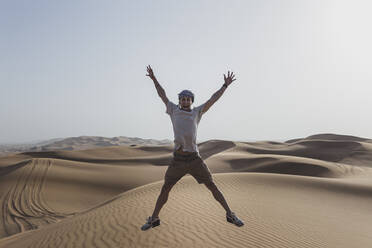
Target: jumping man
column 186, row 157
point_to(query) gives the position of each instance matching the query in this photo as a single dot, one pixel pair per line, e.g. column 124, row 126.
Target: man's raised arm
column 228, row 80
column 160, row 90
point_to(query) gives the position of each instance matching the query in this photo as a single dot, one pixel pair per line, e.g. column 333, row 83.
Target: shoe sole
column 154, row 224
column 229, row 220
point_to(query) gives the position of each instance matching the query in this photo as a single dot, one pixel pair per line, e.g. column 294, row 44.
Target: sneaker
column 233, row 219
column 150, row 222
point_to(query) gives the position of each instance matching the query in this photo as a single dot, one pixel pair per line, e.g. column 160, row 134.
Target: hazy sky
column 71, row 68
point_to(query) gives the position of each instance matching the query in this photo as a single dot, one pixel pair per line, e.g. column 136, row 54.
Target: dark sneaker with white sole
column 150, row 222
column 233, row 219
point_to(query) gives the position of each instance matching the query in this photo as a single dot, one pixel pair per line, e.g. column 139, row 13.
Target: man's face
column 185, row 101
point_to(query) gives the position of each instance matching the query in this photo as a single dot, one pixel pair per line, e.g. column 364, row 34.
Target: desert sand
column 306, row 192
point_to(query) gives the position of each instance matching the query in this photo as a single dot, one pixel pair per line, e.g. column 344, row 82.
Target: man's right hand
column 159, row 89
column 150, row 72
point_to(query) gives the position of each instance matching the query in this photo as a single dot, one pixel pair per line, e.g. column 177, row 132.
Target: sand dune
column 310, row 192
column 78, row 143
column 66, row 186
column 278, row 210
column 331, row 136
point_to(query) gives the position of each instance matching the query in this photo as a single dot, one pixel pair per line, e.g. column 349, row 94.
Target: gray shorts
column 191, row 164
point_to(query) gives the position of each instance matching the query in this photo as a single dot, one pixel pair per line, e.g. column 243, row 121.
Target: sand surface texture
column 310, row 192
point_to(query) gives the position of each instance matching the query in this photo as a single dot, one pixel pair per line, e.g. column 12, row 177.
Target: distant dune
column 309, row 192
column 79, row 143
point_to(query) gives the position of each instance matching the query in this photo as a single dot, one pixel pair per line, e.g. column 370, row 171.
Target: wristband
column 224, row 85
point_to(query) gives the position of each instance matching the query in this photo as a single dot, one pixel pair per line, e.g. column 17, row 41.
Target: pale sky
column 72, row 68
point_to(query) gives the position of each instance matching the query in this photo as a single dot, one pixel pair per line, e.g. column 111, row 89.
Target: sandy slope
column 41, row 190
column 278, row 210
column 311, row 192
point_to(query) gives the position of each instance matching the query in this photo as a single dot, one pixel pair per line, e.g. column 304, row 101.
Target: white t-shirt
column 185, row 125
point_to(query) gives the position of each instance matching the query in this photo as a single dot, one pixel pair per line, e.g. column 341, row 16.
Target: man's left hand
column 230, row 78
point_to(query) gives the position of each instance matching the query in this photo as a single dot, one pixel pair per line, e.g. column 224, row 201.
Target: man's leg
column 163, row 197
column 201, row 173
column 218, row 196
column 175, row 171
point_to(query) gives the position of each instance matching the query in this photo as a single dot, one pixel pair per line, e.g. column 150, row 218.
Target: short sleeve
column 199, row 110
column 170, row 107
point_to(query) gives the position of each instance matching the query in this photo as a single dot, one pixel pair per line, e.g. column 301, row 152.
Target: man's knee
column 167, row 186
column 211, row 185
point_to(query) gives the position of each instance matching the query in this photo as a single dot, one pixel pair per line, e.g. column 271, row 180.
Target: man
column 186, row 158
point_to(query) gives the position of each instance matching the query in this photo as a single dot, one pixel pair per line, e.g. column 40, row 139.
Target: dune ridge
column 78, row 143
